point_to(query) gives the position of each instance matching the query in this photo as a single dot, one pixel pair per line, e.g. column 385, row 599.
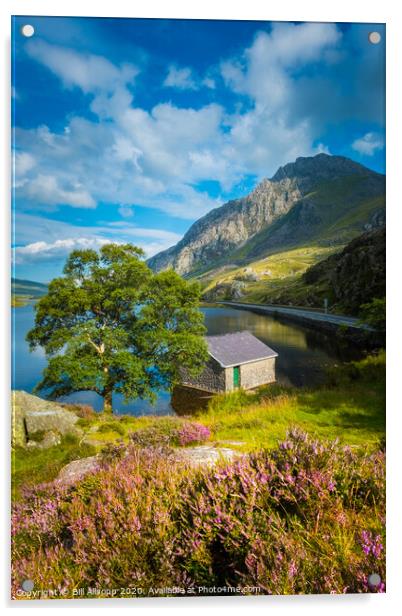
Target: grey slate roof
column 238, row 348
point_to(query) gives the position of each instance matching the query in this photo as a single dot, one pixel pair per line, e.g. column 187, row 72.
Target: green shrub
column 374, row 314
column 307, row 517
column 112, row 426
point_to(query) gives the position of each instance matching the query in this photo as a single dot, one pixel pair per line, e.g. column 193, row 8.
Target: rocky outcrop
column 301, row 201
column 225, row 291
column 354, row 276
column 37, row 422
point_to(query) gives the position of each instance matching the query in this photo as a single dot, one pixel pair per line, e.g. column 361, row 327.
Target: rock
column 18, row 428
column 282, row 211
column 206, row 455
column 42, row 415
column 31, row 414
column 50, row 439
column 236, row 289
column 248, row 275
column 77, row 470
column 225, row 291
column 355, row 275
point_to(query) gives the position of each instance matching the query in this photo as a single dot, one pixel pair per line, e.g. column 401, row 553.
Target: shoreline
column 350, row 327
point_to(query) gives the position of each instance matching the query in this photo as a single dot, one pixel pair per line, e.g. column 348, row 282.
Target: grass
column 305, row 517
column 277, row 273
column 32, row 467
column 350, row 408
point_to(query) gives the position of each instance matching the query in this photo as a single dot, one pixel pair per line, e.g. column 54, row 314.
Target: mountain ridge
column 303, row 200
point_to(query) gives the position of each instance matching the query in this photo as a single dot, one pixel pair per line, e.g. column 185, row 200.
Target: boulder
column 32, row 414
column 77, row 470
column 206, row 455
column 18, row 428
column 50, row 439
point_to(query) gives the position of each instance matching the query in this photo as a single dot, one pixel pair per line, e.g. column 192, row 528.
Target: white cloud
column 209, row 82
column 155, row 158
column 23, row 162
column 89, row 72
column 48, row 251
column 321, row 148
column 45, row 189
column 126, row 211
column 55, row 239
column 264, row 72
column 368, row 144
column 180, row 78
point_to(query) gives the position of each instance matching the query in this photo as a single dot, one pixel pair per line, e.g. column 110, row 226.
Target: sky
column 129, row 130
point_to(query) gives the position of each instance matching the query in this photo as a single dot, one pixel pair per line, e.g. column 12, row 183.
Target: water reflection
column 304, row 355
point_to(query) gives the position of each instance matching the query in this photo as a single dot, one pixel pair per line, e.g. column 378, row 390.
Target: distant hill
column 322, row 201
column 346, row 277
column 28, row 288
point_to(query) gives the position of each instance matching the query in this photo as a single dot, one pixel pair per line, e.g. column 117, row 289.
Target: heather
column 349, row 407
column 304, row 517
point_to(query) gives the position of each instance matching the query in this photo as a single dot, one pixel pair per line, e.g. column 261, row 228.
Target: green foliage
column 112, row 426
column 111, row 325
column 374, row 314
column 32, row 467
column 350, row 406
column 160, row 434
column 305, row 517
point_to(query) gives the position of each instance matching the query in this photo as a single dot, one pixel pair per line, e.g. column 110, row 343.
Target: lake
column 304, row 354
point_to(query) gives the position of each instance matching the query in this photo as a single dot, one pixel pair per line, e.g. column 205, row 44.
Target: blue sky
column 131, row 129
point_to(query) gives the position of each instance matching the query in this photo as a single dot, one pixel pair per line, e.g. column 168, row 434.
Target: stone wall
column 212, row 378
column 257, row 373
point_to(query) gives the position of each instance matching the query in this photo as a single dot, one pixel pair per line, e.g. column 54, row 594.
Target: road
column 302, row 314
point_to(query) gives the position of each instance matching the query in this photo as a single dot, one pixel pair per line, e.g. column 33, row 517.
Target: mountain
column 323, row 199
column 28, row 287
column 354, row 276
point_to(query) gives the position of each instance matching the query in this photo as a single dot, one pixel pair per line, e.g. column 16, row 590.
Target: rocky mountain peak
column 321, row 167
column 283, row 210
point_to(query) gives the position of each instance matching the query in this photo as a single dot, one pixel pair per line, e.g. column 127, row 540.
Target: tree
column 109, row 324
column 374, row 313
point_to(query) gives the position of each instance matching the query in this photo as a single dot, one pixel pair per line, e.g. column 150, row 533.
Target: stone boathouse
column 236, row 360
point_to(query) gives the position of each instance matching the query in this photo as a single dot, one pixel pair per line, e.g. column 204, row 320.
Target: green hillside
column 23, row 291
column 346, row 276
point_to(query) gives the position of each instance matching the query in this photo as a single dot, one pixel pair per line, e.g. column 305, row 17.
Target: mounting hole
column 28, row 30
column 374, row 580
column 27, row 585
column 374, row 38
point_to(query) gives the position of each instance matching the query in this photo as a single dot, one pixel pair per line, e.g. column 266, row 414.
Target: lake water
column 303, row 354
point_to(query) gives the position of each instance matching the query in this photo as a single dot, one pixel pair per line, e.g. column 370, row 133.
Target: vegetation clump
column 306, row 517
column 109, row 324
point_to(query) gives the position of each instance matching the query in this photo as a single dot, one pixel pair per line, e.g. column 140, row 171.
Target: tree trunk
column 107, row 402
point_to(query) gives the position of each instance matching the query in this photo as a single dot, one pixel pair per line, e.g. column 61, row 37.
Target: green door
column 236, row 376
